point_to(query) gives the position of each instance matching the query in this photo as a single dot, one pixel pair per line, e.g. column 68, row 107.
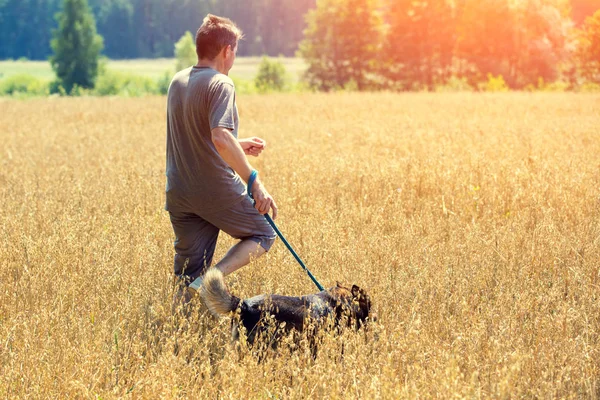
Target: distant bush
column 55, row 87
column 164, row 82
column 494, row 84
column 557, row 86
column 113, row 83
column 455, row 84
column 23, row 84
column 110, row 83
column 244, row 86
column 350, row 86
column 271, row 76
column 300, row 86
column 589, row 87
column 185, row 52
column 542, row 86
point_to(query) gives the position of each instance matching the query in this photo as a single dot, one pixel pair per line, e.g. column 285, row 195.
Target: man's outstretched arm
column 231, row 151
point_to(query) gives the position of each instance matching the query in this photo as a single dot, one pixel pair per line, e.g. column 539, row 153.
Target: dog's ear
column 361, row 306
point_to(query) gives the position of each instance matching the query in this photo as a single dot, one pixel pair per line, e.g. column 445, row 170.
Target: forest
column 148, row 28
column 489, row 45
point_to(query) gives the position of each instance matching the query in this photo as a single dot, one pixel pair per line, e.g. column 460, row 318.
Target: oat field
column 473, row 220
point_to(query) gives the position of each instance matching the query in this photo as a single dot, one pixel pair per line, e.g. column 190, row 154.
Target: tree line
column 148, row 28
column 362, row 44
column 425, row 44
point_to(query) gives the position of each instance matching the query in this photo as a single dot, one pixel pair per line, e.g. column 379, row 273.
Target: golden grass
column 473, row 220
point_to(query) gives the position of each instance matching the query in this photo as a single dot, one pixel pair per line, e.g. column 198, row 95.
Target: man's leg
column 241, row 221
column 239, row 255
column 195, row 242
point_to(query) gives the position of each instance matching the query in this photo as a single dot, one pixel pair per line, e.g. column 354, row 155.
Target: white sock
column 196, row 284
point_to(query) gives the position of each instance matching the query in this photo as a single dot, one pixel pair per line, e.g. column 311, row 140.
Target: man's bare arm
column 252, row 146
column 231, row 151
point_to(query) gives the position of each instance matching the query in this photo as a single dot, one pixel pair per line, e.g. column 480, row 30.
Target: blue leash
column 251, row 180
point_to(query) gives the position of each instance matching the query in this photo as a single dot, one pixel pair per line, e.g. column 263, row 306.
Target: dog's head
column 353, row 303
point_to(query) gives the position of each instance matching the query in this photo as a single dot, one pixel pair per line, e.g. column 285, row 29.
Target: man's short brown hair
column 214, row 34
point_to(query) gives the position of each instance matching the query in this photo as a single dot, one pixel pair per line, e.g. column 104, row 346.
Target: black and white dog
column 339, row 305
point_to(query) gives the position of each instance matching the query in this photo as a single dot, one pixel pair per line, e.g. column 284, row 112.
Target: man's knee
column 264, row 241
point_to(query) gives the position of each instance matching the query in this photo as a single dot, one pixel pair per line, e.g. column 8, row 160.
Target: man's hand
column 253, row 146
column 264, row 201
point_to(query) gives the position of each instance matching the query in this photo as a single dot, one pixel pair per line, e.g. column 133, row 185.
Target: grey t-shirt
column 198, row 179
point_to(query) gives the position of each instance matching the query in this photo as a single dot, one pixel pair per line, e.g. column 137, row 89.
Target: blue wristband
column 251, row 180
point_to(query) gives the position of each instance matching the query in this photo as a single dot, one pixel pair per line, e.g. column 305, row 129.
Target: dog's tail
column 215, row 294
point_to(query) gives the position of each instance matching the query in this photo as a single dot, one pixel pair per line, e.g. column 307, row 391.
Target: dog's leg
column 235, row 331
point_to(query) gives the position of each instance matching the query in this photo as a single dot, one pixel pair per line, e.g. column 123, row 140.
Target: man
column 206, row 164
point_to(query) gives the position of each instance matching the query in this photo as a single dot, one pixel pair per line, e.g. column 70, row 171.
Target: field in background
column 472, row 219
column 245, row 68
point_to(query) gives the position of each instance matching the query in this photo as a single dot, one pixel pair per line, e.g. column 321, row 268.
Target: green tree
column 589, row 48
column 185, row 52
column 76, row 46
column 529, row 44
column 26, row 27
column 420, row 43
column 581, row 9
column 485, row 46
column 542, row 33
column 270, row 76
column 342, row 43
column 148, row 28
column 118, row 42
column 280, row 24
column 271, row 27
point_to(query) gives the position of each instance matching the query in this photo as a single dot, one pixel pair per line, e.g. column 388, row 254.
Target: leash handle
column 251, row 180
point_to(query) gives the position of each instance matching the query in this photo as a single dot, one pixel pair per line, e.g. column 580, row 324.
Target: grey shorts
column 196, row 235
